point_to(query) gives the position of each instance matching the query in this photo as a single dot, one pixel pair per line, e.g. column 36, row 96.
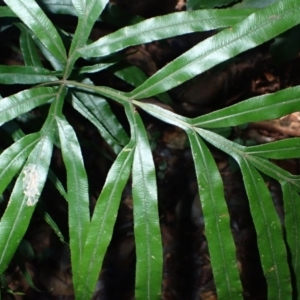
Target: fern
column 28, row 158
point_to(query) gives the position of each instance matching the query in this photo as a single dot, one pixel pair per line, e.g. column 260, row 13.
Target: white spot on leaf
column 30, row 184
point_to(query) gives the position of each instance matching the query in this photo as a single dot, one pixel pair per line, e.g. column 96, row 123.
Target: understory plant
column 56, row 70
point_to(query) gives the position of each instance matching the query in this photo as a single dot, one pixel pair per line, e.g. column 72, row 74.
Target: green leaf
column 217, row 223
column 163, row 114
column 6, row 12
column 237, row 151
column 77, row 194
column 274, row 171
column 58, row 185
column 130, row 74
column 84, row 111
column 270, row 240
column 55, row 63
column 292, row 226
column 32, row 15
column 48, row 219
column 25, row 194
column 103, row 221
column 265, row 107
column 58, row 7
column 269, row 231
column 254, row 3
column 25, row 75
column 22, row 102
column 196, row 4
column 258, row 28
column 163, row 27
column 110, row 93
column 95, row 68
column 135, row 76
column 13, row 158
column 97, row 110
column 13, row 129
column 88, row 12
column 146, row 222
column 283, row 149
column 28, row 48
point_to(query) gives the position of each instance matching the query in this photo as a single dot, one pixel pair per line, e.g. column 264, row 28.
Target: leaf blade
column 282, row 149
column 292, row 224
column 77, row 193
column 269, row 233
column 146, row 222
column 255, row 109
column 58, row 7
column 97, row 110
column 22, row 202
column 135, row 76
column 163, row 27
column 102, row 223
column 253, row 31
column 217, row 223
column 88, row 12
column 28, row 48
column 25, row 75
column 237, row 151
column 12, row 159
column 24, row 101
column 32, row 15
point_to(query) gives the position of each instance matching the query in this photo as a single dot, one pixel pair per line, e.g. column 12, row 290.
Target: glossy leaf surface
column 273, row 255
column 22, row 102
column 282, row 149
column 28, row 48
column 25, row 194
column 255, row 109
column 266, row 221
column 277, row 237
column 32, row 15
column 77, row 193
column 272, row 170
column 87, row 12
column 237, row 151
column 163, row 27
column 54, row 62
column 258, row 28
column 131, row 74
column 13, row 158
column 95, row 68
column 163, row 114
column 146, row 222
column 97, row 110
column 103, row 221
column 135, row 76
column 291, row 200
column 217, row 223
column 25, row 75
column 58, row 7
